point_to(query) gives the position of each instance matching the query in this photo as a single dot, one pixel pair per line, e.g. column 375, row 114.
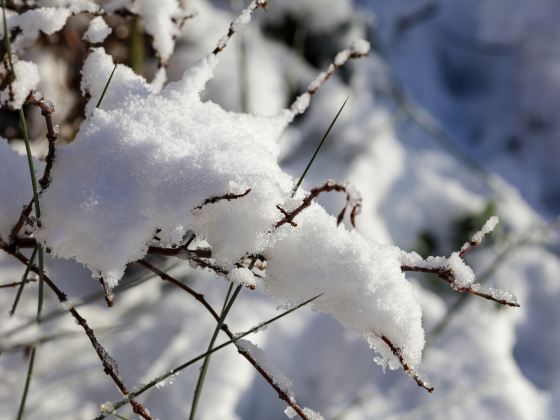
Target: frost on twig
column 353, row 202
column 238, row 23
column 359, row 48
column 110, row 366
column 456, row 272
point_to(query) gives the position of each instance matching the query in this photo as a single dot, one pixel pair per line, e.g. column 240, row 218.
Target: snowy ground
column 450, row 120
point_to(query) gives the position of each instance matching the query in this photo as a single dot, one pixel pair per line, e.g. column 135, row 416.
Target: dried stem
column 200, row 298
column 447, row 275
column 16, row 283
column 228, row 197
column 422, row 382
column 239, row 22
column 355, row 203
column 109, row 365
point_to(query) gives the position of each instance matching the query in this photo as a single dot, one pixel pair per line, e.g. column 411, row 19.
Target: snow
column 364, row 289
column 487, row 228
column 97, row 30
column 27, row 79
column 144, row 147
column 242, row 276
column 486, row 363
column 44, row 19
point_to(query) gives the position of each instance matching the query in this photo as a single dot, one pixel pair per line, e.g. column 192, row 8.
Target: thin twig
column 447, row 275
column 227, row 196
column 234, row 339
column 16, row 283
column 238, row 23
column 421, row 381
column 200, row 298
column 109, row 365
column 354, row 202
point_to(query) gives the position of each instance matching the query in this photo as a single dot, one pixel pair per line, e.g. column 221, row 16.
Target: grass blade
column 106, row 87
column 300, row 181
column 179, row 368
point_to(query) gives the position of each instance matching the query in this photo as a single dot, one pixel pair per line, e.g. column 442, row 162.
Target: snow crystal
column 277, row 376
column 488, row 227
column 15, row 188
column 27, row 79
column 290, row 412
column 242, row 276
column 360, row 46
column 301, row 103
column 497, row 294
column 97, row 30
column 168, row 380
column 107, row 407
column 342, row 57
column 462, row 274
column 312, row 415
column 243, row 19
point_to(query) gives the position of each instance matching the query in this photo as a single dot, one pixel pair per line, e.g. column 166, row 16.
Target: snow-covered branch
column 456, row 272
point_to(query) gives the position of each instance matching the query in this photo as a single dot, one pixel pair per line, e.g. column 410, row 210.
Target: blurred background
column 451, row 119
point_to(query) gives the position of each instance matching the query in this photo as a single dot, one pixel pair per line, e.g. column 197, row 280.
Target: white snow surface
column 97, row 30
column 27, row 79
column 154, row 158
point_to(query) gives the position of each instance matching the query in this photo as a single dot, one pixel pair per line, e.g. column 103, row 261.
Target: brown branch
column 16, row 283
column 153, row 250
column 446, row 274
column 422, row 382
column 200, row 298
column 109, row 364
column 23, row 217
column 227, row 196
column 328, row 186
column 47, row 110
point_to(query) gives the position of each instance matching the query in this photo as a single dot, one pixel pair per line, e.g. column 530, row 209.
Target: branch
column 353, row 201
column 239, row 22
column 16, row 283
column 454, row 271
column 420, row 380
column 47, row 109
column 359, row 48
column 228, row 197
column 109, row 364
column 290, row 400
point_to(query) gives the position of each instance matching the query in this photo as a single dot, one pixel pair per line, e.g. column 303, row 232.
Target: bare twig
column 109, row 365
column 446, row 274
column 200, row 298
column 445, row 270
column 16, row 283
column 228, row 197
column 420, row 380
column 355, row 203
column 47, row 110
column 238, row 23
